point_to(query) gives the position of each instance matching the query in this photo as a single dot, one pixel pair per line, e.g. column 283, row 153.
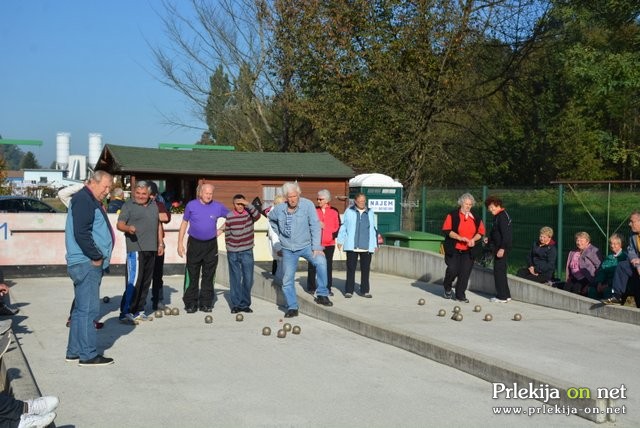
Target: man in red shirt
column 462, row 231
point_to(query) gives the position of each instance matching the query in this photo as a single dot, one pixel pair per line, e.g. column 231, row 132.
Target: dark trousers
column 459, row 265
column 365, row 267
column 137, row 281
column 626, row 282
column 311, row 270
column 156, row 288
column 541, row 278
column 10, row 411
column 202, row 258
column 576, row 286
column 500, row 278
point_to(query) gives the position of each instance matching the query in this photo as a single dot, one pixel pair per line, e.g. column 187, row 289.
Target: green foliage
column 29, row 161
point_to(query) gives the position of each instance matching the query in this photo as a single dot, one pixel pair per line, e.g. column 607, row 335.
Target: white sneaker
column 42, row 405
column 496, row 300
column 141, row 316
column 36, row 421
column 508, row 299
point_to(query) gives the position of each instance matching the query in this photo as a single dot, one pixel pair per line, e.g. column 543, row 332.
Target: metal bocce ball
column 442, row 313
column 175, row 311
column 208, row 319
column 488, row 317
column 296, row 329
column 286, row 327
column 477, row 308
column 458, row 317
column 266, row 331
column 456, row 309
column 282, row 334
column 517, row 317
column 158, row 314
column 167, row 311
column 421, row 302
column 239, row 317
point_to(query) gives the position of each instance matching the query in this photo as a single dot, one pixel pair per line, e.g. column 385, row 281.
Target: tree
column 222, row 38
column 29, row 161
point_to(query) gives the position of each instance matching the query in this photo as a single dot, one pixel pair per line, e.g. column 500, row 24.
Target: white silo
column 62, row 150
column 95, row 147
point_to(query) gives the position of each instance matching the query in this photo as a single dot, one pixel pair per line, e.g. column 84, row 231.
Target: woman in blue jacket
column 358, row 237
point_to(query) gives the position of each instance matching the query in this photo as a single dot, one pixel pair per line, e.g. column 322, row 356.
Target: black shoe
column 72, row 359
column 6, row 311
column 235, row 310
column 311, row 291
column 98, row 360
column 330, row 293
column 323, row 300
column 247, row 310
column 191, row 309
column 291, row 313
column 367, row 295
column 206, row 308
column 463, row 300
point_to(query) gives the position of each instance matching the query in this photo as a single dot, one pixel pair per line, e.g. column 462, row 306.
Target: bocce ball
column 239, row 317
column 442, row 313
column 517, row 317
column 167, row 311
column 296, row 329
column 175, row 311
column 208, row 319
column 456, row 309
column 421, row 302
column 158, row 314
column 488, row 317
column 266, row 331
column 286, row 327
column 282, row 334
column 458, row 316
column 477, row 308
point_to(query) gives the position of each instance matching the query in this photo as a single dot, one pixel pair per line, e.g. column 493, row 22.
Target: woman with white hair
column 329, row 218
column 462, row 230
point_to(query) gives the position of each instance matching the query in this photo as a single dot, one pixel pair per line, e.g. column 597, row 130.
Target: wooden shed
column 178, row 172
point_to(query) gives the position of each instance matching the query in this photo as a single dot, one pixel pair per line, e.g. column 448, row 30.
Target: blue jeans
column 86, row 287
column 290, row 265
column 240, row 277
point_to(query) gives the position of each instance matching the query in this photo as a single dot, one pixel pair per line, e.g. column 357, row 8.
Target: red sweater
column 331, row 220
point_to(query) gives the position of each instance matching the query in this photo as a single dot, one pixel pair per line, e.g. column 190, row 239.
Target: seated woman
column 602, row 286
column 582, row 264
column 541, row 261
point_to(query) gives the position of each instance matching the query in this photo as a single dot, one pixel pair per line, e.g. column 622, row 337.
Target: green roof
column 131, row 160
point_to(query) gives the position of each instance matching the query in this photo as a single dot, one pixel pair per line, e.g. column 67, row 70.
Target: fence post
column 485, row 191
column 423, row 210
column 560, row 230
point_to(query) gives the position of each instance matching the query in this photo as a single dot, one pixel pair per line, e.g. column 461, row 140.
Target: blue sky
column 83, row 66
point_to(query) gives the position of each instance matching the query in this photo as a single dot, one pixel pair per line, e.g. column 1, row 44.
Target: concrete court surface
column 179, row 371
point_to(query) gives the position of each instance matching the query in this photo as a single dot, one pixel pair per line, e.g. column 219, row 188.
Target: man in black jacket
column 500, row 241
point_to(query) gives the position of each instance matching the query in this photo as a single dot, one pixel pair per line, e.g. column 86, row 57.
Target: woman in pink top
column 582, row 264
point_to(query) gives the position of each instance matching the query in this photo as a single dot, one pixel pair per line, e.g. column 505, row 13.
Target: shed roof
column 129, row 160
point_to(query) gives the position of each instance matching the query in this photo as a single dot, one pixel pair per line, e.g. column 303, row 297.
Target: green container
column 416, row 240
column 384, row 197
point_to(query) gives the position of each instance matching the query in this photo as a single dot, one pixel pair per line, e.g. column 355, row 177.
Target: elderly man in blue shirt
column 298, row 229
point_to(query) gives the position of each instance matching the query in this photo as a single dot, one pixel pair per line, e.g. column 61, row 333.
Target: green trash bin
column 416, row 240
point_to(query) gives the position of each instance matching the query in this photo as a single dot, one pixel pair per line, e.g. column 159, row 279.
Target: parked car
column 24, row 204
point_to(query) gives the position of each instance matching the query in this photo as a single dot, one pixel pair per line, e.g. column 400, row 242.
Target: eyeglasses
column 320, row 199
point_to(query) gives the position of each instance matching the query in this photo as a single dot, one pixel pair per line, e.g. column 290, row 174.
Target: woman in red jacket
column 330, row 223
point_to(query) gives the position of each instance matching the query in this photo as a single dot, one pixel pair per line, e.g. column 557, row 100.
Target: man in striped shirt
column 238, row 235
